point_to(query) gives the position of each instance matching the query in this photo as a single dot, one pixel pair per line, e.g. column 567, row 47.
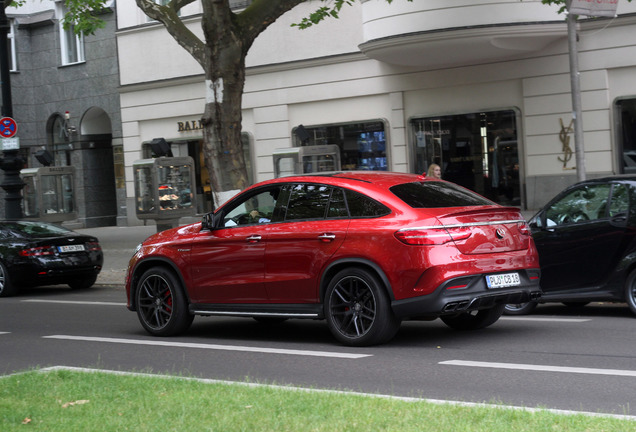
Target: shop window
column 362, row 145
column 626, row 116
column 477, row 150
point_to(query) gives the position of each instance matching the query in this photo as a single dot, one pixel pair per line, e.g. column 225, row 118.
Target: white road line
column 74, row 302
column 547, row 319
column 540, row 368
column 212, row 346
column 341, row 392
column 1, row 333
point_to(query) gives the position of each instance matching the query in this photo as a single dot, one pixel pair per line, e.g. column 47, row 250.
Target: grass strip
column 64, row 400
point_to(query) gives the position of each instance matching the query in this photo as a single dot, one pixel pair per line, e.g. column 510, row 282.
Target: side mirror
column 207, row 223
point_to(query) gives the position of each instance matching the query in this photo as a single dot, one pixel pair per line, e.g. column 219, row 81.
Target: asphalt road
column 582, row 360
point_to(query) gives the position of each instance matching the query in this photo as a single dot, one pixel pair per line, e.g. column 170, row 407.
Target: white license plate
column 71, row 248
column 503, row 280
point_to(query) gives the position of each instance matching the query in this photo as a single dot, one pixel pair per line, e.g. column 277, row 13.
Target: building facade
column 66, row 104
column 481, row 88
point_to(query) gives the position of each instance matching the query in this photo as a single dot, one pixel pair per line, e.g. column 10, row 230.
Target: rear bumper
column 473, row 295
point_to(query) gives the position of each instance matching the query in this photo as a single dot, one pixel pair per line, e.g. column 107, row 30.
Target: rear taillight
column 93, row 247
column 38, row 251
column 431, row 236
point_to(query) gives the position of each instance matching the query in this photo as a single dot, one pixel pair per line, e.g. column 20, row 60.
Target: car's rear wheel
column 161, row 304
column 474, row 320
column 83, row 283
column 7, row 288
column 357, row 309
column 630, row 291
column 520, row 308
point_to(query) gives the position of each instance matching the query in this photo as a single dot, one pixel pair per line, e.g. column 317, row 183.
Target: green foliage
column 84, row 15
column 324, row 12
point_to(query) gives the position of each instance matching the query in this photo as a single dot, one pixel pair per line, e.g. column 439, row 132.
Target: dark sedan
column 586, row 238
column 38, row 253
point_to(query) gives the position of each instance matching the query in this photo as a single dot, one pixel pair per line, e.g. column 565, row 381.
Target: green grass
column 94, row 401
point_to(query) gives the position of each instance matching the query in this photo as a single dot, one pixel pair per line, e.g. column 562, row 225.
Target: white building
column 480, row 87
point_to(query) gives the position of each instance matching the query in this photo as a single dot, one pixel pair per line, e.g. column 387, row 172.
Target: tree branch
column 168, row 16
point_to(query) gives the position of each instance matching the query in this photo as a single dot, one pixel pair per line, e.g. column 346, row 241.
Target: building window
column 476, row 150
column 13, row 61
column 72, row 45
column 362, row 145
column 626, row 135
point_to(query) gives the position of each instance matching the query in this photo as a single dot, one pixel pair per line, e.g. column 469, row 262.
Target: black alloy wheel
column 474, row 320
column 7, row 289
column 357, row 309
column 161, row 305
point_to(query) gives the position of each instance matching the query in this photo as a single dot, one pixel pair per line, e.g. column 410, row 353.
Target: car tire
column 520, row 308
column 161, row 304
column 474, row 320
column 83, row 283
column 630, row 291
column 7, row 288
column 357, row 309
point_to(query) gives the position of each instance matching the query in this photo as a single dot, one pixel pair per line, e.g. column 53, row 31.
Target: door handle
column 253, row 238
column 327, row 237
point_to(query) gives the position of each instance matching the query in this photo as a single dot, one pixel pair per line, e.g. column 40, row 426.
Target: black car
column 586, row 238
column 38, row 253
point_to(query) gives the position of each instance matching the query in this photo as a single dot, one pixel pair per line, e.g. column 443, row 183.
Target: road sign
column 8, row 127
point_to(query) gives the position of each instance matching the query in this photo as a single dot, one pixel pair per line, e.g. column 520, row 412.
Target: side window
column 257, row 208
column 308, row 201
column 583, row 204
column 337, row 205
column 363, row 206
column 620, row 200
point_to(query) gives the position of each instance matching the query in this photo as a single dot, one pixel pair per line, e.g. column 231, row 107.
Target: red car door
column 227, row 266
column 298, row 249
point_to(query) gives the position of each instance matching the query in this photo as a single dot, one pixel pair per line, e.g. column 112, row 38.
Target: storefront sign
column 188, row 126
column 564, row 137
column 596, row 8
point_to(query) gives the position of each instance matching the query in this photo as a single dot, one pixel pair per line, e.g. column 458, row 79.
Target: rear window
column 35, row 229
column 435, row 194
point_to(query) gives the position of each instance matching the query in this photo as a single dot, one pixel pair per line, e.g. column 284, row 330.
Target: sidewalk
column 118, row 244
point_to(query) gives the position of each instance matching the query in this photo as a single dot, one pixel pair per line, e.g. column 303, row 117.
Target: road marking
column 340, row 392
column 547, row 319
column 74, row 302
column 540, row 368
column 212, row 346
column 1, row 333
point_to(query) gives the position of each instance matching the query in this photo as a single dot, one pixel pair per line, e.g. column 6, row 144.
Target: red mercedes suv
column 362, row 250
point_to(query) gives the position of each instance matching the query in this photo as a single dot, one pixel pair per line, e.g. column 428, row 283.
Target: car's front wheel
column 474, row 320
column 357, row 309
column 630, row 291
column 7, row 288
column 161, row 304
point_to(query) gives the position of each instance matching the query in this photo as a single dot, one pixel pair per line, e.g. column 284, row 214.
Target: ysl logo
column 564, row 137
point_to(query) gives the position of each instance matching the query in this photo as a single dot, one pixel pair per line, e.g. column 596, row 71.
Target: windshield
column 436, row 194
